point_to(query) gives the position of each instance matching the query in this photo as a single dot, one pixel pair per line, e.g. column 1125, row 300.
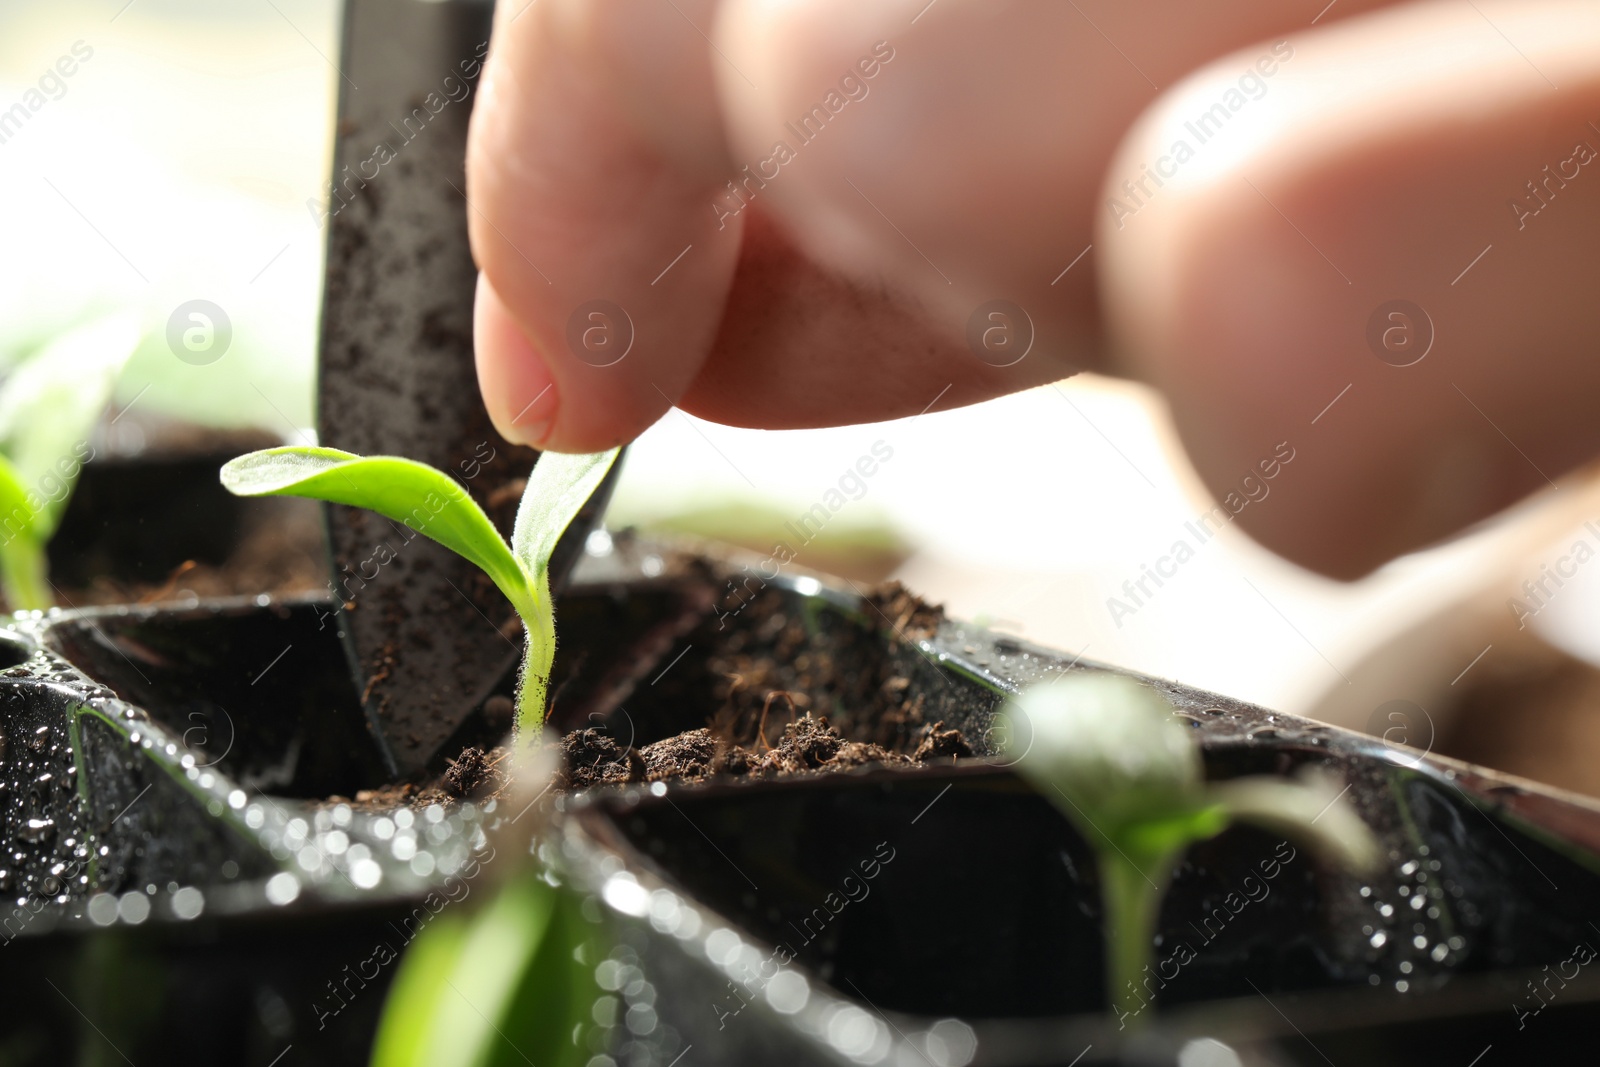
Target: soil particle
column 787, row 698
column 593, row 757
column 809, row 745
column 911, row 617
column 467, row 772
column 694, row 755
column 938, row 743
column 476, row 774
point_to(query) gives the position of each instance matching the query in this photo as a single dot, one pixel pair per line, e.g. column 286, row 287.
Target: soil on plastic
column 768, row 674
column 808, row 745
column 770, row 677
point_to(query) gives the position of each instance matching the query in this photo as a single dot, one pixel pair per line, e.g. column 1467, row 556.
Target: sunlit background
column 180, row 161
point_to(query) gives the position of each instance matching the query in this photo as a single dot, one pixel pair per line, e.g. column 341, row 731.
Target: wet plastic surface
column 251, row 901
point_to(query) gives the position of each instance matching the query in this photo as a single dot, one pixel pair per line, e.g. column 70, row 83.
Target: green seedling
column 49, row 404
column 509, row 970
column 510, row 984
column 1108, row 752
column 434, row 504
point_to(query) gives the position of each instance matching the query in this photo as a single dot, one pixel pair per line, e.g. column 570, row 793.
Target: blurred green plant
column 434, row 504
column 512, row 984
column 49, row 403
column 1109, row 754
column 864, row 544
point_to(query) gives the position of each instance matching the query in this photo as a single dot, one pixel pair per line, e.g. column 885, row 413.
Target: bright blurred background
column 180, row 161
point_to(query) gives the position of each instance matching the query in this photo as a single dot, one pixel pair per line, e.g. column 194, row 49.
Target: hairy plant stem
column 538, row 656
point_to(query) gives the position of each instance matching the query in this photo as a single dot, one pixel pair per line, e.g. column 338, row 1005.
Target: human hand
column 975, row 151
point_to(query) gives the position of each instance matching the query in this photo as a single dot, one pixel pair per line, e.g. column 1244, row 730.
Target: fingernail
column 518, row 388
column 531, row 424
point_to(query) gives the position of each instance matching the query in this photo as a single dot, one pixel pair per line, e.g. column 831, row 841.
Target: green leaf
column 17, row 516
column 1106, row 749
column 419, row 999
column 551, row 1008
column 427, row 500
column 511, row 985
column 22, row 558
column 1309, row 809
column 50, row 403
column 1108, row 752
column 557, row 490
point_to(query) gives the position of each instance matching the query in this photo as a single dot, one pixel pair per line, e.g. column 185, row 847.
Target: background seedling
column 512, row 983
column 49, row 404
column 434, row 504
column 1108, row 752
column 508, row 978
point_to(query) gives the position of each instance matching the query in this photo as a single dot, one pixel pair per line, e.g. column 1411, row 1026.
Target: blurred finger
column 1383, row 265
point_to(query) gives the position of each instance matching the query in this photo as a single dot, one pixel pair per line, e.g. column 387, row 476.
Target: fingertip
column 518, row 388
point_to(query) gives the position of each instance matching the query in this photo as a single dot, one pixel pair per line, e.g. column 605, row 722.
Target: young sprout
column 511, row 975
column 1107, row 751
column 48, row 407
column 434, row 504
column 510, row 984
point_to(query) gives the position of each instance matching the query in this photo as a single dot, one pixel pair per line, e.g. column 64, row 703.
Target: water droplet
column 282, row 888
column 404, row 847
column 365, row 874
column 788, row 992
column 102, row 909
column 641, row 1019
column 133, row 908
column 36, row 830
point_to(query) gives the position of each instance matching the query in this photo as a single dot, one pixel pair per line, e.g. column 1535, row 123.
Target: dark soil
column 468, row 771
column 788, row 703
column 808, row 745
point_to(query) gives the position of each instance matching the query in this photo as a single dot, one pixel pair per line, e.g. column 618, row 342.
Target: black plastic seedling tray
column 186, row 892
